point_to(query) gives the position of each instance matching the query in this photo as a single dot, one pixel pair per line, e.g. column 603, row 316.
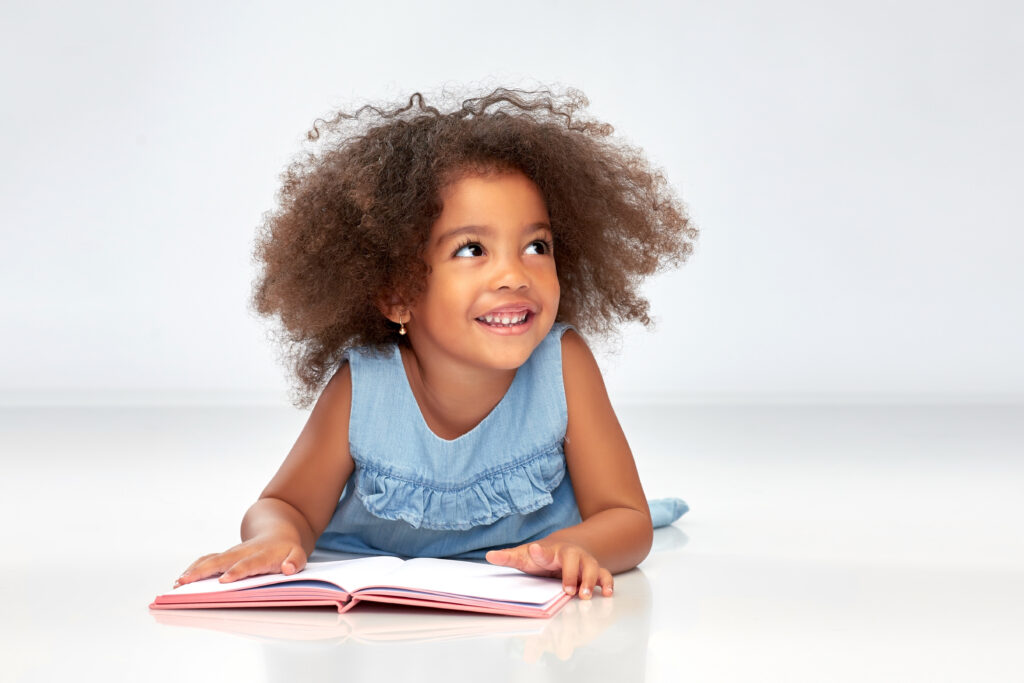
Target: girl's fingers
column 244, row 560
column 578, row 568
column 544, row 558
column 192, row 567
column 517, row 558
column 607, row 583
column 509, row 557
column 570, row 560
column 521, row 558
column 503, row 558
column 588, row 577
column 198, row 562
column 205, row 567
column 294, row 562
column 249, row 566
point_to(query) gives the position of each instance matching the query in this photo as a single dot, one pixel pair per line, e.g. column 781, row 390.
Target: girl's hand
column 546, row 558
column 256, row 556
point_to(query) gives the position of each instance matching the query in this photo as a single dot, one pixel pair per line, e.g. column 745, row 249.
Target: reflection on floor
column 824, row 543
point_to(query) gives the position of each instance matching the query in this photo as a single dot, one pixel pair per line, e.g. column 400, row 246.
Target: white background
column 854, row 169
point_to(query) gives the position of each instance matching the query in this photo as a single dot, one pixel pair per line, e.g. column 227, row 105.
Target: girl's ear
column 393, row 308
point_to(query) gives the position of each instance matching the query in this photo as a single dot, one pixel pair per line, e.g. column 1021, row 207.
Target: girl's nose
column 510, row 274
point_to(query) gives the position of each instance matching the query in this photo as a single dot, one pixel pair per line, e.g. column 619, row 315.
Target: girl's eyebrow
column 487, row 231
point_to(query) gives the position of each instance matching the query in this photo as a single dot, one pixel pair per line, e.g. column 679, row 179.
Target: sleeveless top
column 414, row 494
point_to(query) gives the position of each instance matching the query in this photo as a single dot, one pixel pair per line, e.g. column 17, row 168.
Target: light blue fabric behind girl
column 499, row 485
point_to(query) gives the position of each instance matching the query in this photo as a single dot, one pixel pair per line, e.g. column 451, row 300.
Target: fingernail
column 570, row 590
column 585, row 593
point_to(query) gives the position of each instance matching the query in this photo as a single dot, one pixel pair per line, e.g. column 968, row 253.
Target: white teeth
column 504, row 319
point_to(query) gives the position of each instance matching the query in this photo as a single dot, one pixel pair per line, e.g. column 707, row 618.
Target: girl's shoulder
column 374, row 364
column 336, row 397
column 581, row 376
column 545, row 366
column 554, row 342
column 571, row 343
column 364, row 353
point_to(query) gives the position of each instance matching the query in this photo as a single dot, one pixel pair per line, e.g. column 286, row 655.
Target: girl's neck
column 454, row 402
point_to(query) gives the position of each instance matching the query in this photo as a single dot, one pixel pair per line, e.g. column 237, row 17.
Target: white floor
column 856, row 543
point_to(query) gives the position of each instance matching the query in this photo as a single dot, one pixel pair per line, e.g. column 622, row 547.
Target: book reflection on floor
column 372, row 624
column 597, row 630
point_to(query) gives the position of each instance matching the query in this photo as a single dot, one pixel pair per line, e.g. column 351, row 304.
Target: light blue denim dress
column 415, row 494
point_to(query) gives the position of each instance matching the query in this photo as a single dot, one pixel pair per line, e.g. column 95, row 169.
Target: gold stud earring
column 401, row 324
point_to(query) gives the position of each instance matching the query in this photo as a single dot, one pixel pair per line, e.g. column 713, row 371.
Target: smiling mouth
column 507, row 319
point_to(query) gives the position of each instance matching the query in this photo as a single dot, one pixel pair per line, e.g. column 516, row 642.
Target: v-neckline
column 419, row 409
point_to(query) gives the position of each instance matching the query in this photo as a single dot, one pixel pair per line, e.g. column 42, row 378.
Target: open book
column 421, row 582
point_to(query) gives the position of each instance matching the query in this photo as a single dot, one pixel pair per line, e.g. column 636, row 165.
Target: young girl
column 430, row 271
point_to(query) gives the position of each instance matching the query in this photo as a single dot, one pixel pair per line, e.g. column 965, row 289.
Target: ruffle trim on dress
column 521, row 488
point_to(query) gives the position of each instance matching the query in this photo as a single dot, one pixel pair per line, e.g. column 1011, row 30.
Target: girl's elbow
column 645, row 528
column 643, row 538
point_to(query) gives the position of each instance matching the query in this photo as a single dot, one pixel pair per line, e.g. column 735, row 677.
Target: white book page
column 343, row 573
column 470, row 579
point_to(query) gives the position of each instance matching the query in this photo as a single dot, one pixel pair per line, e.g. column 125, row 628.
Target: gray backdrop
column 853, row 167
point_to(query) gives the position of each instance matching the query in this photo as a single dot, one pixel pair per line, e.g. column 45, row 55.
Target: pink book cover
column 420, row 582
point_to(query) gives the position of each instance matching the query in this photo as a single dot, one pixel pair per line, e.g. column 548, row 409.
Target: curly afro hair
column 355, row 214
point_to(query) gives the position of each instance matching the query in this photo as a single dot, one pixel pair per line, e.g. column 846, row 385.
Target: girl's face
column 492, row 290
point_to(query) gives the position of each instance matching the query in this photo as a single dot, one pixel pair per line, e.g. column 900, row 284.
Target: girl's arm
column 280, row 529
column 616, row 532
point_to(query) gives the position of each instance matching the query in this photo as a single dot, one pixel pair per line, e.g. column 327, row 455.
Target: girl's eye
column 469, row 250
column 539, row 247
